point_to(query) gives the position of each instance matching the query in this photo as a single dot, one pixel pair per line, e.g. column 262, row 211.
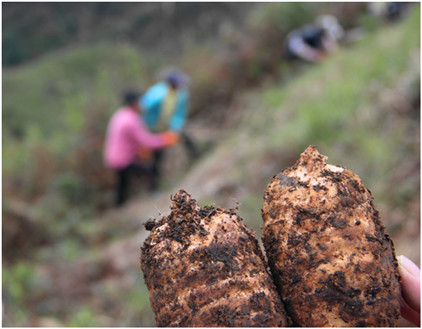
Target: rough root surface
column 204, row 268
column 331, row 259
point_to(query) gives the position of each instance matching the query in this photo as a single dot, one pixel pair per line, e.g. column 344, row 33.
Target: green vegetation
column 33, row 29
column 83, row 318
column 360, row 107
column 58, row 90
column 339, row 107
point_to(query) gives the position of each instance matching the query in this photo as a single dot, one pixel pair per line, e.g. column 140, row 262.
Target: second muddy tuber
column 331, row 259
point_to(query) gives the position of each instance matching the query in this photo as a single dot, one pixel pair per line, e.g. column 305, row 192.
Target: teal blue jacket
column 152, row 100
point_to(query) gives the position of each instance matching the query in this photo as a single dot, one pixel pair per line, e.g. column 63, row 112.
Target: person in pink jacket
column 126, row 137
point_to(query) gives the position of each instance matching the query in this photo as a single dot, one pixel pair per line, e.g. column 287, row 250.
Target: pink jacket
column 126, row 133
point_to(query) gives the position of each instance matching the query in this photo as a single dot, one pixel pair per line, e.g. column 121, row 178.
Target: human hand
column 144, row 153
column 170, row 137
column 411, row 294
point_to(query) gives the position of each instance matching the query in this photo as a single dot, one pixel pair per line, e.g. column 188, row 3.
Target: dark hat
column 131, row 97
column 176, row 79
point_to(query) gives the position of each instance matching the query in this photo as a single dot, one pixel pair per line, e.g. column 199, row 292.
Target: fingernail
column 408, row 265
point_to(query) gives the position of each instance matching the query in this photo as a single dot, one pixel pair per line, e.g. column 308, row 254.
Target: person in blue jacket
column 166, row 104
column 165, row 109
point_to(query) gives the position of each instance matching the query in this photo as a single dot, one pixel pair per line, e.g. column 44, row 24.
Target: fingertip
column 409, row 266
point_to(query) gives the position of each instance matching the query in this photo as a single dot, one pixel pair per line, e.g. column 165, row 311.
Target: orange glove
column 144, row 153
column 170, row 138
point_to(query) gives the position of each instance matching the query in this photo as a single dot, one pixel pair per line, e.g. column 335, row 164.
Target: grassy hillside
column 34, row 29
column 60, row 85
column 79, row 264
column 360, row 108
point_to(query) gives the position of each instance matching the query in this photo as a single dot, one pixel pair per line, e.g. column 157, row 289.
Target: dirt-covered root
column 204, row 268
column 331, row 259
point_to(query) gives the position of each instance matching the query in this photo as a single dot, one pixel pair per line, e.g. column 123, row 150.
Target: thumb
column 410, row 282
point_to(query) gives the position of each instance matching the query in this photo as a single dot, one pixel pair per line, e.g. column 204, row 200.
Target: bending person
column 126, row 136
column 313, row 42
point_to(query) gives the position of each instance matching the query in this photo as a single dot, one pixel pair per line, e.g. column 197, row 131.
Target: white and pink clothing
column 126, row 133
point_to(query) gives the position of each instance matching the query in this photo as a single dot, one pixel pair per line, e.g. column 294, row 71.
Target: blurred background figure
column 166, row 108
column 389, row 11
column 126, row 138
column 313, row 42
